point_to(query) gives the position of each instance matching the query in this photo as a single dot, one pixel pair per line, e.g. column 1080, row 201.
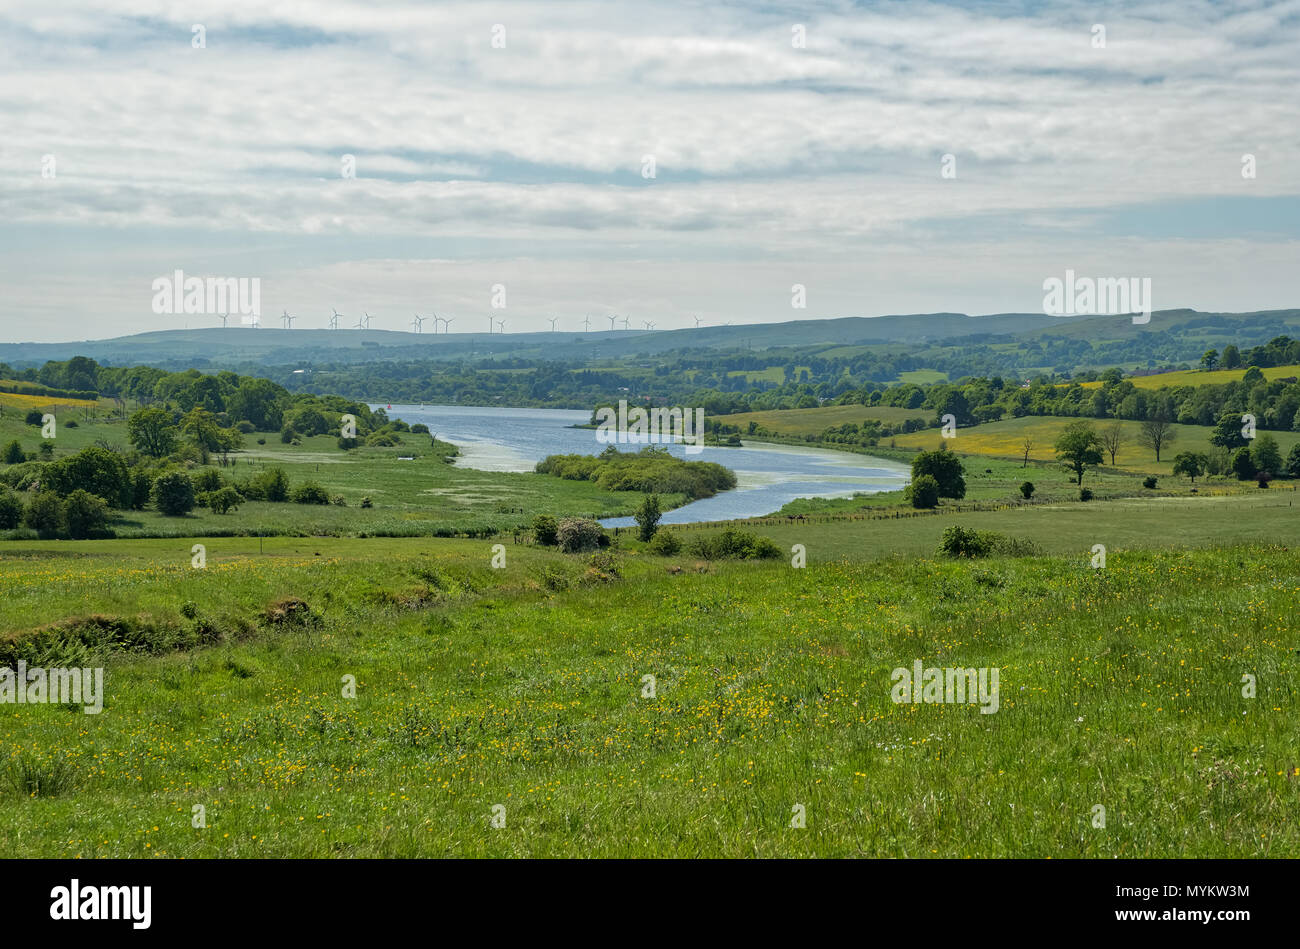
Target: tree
column 173, row 493
column 923, row 492
column 647, row 517
column 1210, row 359
column 14, row 454
column 1191, row 463
column 1027, row 490
column 224, row 500
column 544, row 529
column 202, row 428
column 85, row 514
column 1079, row 447
column 44, row 514
column 274, row 484
column 95, row 469
column 1293, row 461
column 1112, row 438
column 1266, row 455
column 946, row 469
column 1231, row 358
column 1227, row 431
column 1243, row 466
column 1027, row 447
column 152, row 431
column 1157, row 430
column 11, row 509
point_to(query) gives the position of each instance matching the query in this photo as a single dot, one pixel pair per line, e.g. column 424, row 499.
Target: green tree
column 1190, row 463
column 1266, row 455
column 647, row 517
column 152, row 431
column 223, row 500
column 1210, row 359
column 173, row 493
column 1157, row 430
column 85, row 514
column 923, row 492
column 1243, row 466
column 544, row 529
column 44, row 514
column 273, row 484
column 98, row 470
column 14, row 454
column 11, row 509
column 1227, row 431
column 1078, row 447
column 1293, row 461
column 1231, row 358
column 945, row 468
column 1027, row 490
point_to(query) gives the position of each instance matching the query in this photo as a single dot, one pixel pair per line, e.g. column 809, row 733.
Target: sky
column 660, row 161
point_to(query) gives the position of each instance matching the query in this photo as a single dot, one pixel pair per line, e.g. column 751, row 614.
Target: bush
column 339, row 501
column 95, row 469
column 44, row 514
column 347, row 444
column 577, row 534
column 1085, row 494
column 209, row 479
column 35, row 417
column 964, row 542
column 173, row 494
column 946, row 469
column 14, row 454
column 85, row 514
column 1243, row 465
column 11, row 510
column 273, row 485
column 1149, row 482
column 419, row 428
column 647, row 517
column 734, row 544
column 366, row 502
column 665, row 544
column 224, row 500
column 545, row 530
column 245, row 427
column 1027, row 490
column 287, row 434
column 311, row 493
column 923, row 492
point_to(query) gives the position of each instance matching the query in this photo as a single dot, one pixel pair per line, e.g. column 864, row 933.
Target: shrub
column 923, row 492
column 347, row 444
column 339, row 501
column 70, row 423
column 960, row 541
column 1149, row 481
column 382, row 440
column 1027, row 490
column 225, row 500
column 287, row 434
column 11, row 510
column 1085, row 494
column 85, row 514
column 173, row 493
column 665, row 544
column 311, row 493
column 545, row 530
column 577, row 534
column 209, row 479
column 245, row 427
column 734, row 544
column 44, row 514
column 647, row 517
column 366, row 502
column 419, row 428
column 95, row 469
column 14, row 454
column 274, row 485
column 35, row 417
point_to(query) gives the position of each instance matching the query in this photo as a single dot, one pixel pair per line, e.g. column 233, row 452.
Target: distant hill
column 240, row 346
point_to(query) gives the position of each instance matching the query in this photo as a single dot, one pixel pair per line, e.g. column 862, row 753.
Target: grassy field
column 1197, row 377
column 815, row 421
column 524, row 687
column 425, row 495
column 1006, row 439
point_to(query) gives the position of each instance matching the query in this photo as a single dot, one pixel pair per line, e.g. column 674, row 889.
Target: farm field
column 1006, row 439
column 815, row 421
column 524, row 687
column 1195, row 377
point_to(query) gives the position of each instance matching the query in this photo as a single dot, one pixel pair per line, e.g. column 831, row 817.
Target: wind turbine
column 223, row 317
column 446, row 324
column 586, row 324
column 648, row 324
column 286, row 319
column 626, row 321
column 363, row 322
column 611, row 321
column 334, row 320
column 502, row 324
column 698, row 321
column 489, row 323
column 417, row 324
